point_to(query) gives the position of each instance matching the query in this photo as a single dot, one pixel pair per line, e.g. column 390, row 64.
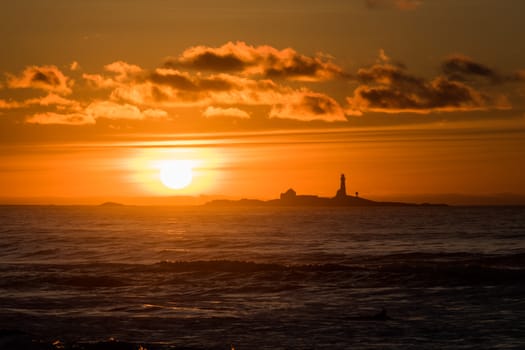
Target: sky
column 109, row 100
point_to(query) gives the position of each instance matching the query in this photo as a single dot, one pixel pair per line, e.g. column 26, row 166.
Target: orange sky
column 408, row 98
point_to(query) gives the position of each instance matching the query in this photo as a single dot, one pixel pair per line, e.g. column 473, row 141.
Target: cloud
column 62, row 119
column 140, row 94
column 112, row 110
column 123, row 70
column 233, row 112
column 388, row 74
column 225, row 81
column 463, row 68
column 99, row 81
column 384, row 87
column 383, row 57
column 162, row 85
column 250, row 92
column 397, row 4
column 52, row 99
column 95, row 111
column 460, row 67
column 122, row 73
column 48, row 78
column 172, row 88
column 154, row 113
column 10, row 104
column 391, row 89
column 265, row 61
column 184, row 81
column 74, row 66
column 308, row 106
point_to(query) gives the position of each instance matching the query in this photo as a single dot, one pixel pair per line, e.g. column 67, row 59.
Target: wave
column 418, row 269
column 42, row 252
column 236, row 266
column 392, row 261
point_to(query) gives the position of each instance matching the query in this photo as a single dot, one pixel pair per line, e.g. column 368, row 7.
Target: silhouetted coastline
column 291, row 199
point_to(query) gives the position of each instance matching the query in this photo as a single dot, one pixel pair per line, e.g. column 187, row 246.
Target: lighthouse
column 341, row 192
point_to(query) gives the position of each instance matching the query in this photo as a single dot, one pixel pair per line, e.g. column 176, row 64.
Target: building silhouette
column 288, row 195
column 341, row 192
column 291, row 198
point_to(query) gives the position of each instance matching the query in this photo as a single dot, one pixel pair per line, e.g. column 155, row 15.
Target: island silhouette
column 291, row 199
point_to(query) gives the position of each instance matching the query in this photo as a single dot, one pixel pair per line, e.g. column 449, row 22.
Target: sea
column 148, row 277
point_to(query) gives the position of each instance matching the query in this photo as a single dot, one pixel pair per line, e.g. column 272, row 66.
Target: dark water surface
column 265, row 278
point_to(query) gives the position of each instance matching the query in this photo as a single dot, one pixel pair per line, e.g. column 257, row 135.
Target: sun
column 166, row 172
column 176, row 174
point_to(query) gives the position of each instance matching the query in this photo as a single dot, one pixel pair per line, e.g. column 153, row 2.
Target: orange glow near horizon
column 192, row 171
column 378, row 162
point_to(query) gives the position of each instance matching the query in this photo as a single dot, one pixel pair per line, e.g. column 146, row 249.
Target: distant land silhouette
column 111, row 204
column 292, row 199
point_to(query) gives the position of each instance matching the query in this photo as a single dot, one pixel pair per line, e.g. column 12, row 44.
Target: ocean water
column 265, row 278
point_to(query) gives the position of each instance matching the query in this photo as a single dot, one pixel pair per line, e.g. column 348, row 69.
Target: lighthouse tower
column 341, row 192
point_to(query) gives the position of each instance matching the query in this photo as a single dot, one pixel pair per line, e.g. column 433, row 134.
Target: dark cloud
column 388, row 74
column 209, row 60
column 225, row 80
column 320, row 104
column 48, row 78
column 265, row 61
column 183, row 81
column 216, row 84
column 463, row 68
column 443, row 93
column 174, row 79
column 307, row 106
column 391, row 89
column 299, row 66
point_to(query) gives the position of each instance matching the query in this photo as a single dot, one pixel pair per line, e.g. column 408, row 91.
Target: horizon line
column 453, row 199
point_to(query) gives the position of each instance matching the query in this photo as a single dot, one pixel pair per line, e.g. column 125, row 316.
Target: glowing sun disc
column 176, row 174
